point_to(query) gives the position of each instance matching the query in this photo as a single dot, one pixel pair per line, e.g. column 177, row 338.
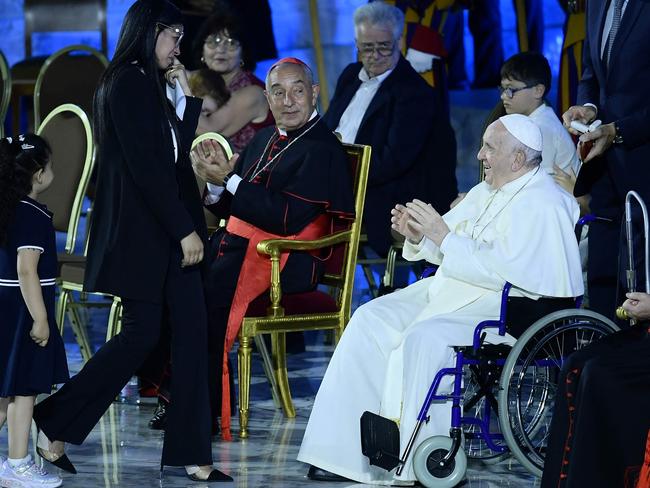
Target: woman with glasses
column 221, row 47
column 146, row 243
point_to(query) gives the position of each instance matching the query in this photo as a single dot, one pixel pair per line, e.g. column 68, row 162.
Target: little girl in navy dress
column 32, row 356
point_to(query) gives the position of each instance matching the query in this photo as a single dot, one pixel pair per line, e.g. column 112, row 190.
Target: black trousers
column 70, row 414
column 602, row 267
column 601, row 416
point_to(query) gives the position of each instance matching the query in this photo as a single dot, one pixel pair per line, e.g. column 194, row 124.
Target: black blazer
column 621, row 94
column 413, row 146
column 145, row 202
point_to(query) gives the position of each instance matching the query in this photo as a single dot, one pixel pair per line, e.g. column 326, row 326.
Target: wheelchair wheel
column 481, row 387
column 530, row 374
column 427, row 468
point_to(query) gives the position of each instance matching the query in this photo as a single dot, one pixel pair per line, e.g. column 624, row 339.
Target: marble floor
column 122, row 452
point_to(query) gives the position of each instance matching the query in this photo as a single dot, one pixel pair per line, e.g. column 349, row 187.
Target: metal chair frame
column 52, row 59
column 5, row 96
column 276, row 323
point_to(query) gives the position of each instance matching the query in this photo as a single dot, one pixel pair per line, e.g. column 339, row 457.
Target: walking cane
column 630, row 273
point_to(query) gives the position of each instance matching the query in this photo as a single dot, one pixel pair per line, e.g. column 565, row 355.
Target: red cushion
column 295, row 304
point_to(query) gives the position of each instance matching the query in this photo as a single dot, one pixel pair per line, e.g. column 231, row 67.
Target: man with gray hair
column 516, row 226
column 292, row 181
column 383, row 102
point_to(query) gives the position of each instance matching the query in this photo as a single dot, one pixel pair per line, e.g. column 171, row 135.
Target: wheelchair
column 502, row 396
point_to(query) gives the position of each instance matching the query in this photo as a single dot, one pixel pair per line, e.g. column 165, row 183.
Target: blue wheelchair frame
column 456, row 397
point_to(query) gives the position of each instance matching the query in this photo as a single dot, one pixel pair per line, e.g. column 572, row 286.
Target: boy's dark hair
column 20, row 159
column 530, row 67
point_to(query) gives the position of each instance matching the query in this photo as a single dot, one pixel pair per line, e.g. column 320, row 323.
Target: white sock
column 18, row 462
column 191, row 469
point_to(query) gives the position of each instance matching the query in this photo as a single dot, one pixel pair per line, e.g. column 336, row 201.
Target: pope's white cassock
column 522, row 233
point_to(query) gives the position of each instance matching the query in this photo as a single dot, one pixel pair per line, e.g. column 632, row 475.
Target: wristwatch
column 618, row 138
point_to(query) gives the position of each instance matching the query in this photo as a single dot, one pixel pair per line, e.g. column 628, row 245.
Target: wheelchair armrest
column 493, row 324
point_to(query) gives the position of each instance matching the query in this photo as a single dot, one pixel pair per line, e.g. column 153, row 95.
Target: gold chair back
column 70, row 75
column 67, row 129
column 64, row 16
column 5, row 91
column 211, row 221
column 339, row 275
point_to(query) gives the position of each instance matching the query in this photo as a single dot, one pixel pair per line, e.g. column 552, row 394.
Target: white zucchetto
column 522, row 128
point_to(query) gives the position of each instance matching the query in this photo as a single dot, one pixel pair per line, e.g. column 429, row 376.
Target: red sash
column 644, row 476
column 254, row 279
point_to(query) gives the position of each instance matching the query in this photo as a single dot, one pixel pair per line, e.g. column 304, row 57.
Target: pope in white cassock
column 516, row 226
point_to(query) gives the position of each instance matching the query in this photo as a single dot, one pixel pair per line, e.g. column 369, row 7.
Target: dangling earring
column 202, row 59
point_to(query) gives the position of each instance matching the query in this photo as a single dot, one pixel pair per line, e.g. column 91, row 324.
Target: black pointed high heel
column 62, row 462
column 215, row 476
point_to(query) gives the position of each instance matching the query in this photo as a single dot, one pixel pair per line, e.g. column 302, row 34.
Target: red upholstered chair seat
column 295, row 304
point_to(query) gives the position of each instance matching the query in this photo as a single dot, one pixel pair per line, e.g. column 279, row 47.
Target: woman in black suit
column 146, row 244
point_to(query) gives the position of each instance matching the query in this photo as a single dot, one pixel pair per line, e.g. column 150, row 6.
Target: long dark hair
column 136, row 43
column 20, row 159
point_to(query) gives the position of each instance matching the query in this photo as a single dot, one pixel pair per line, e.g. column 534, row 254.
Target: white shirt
column 177, row 97
column 353, row 115
column 557, row 146
column 609, row 20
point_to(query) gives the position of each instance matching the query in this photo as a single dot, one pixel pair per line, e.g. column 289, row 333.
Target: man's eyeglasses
column 510, row 92
column 382, row 48
column 176, row 31
column 214, row 41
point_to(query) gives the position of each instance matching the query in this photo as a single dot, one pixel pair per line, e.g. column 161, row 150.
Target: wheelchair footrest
column 380, row 440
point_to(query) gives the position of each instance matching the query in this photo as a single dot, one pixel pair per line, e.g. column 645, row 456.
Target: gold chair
column 52, row 16
column 70, row 75
column 315, row 310
column 5, row 91
column 67, row 130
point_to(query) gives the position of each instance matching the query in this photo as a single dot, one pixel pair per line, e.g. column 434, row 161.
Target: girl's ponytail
column 20, row 158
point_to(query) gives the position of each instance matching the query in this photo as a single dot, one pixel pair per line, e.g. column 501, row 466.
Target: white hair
column 380, row 13
column 533, row 157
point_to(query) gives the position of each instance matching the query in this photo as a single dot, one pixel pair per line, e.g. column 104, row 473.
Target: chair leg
column 278, row 342
column 80, row 333
column 244, row 363
column 389, row 274
column 268, row 369
column 61, row 307
column 114, row 319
